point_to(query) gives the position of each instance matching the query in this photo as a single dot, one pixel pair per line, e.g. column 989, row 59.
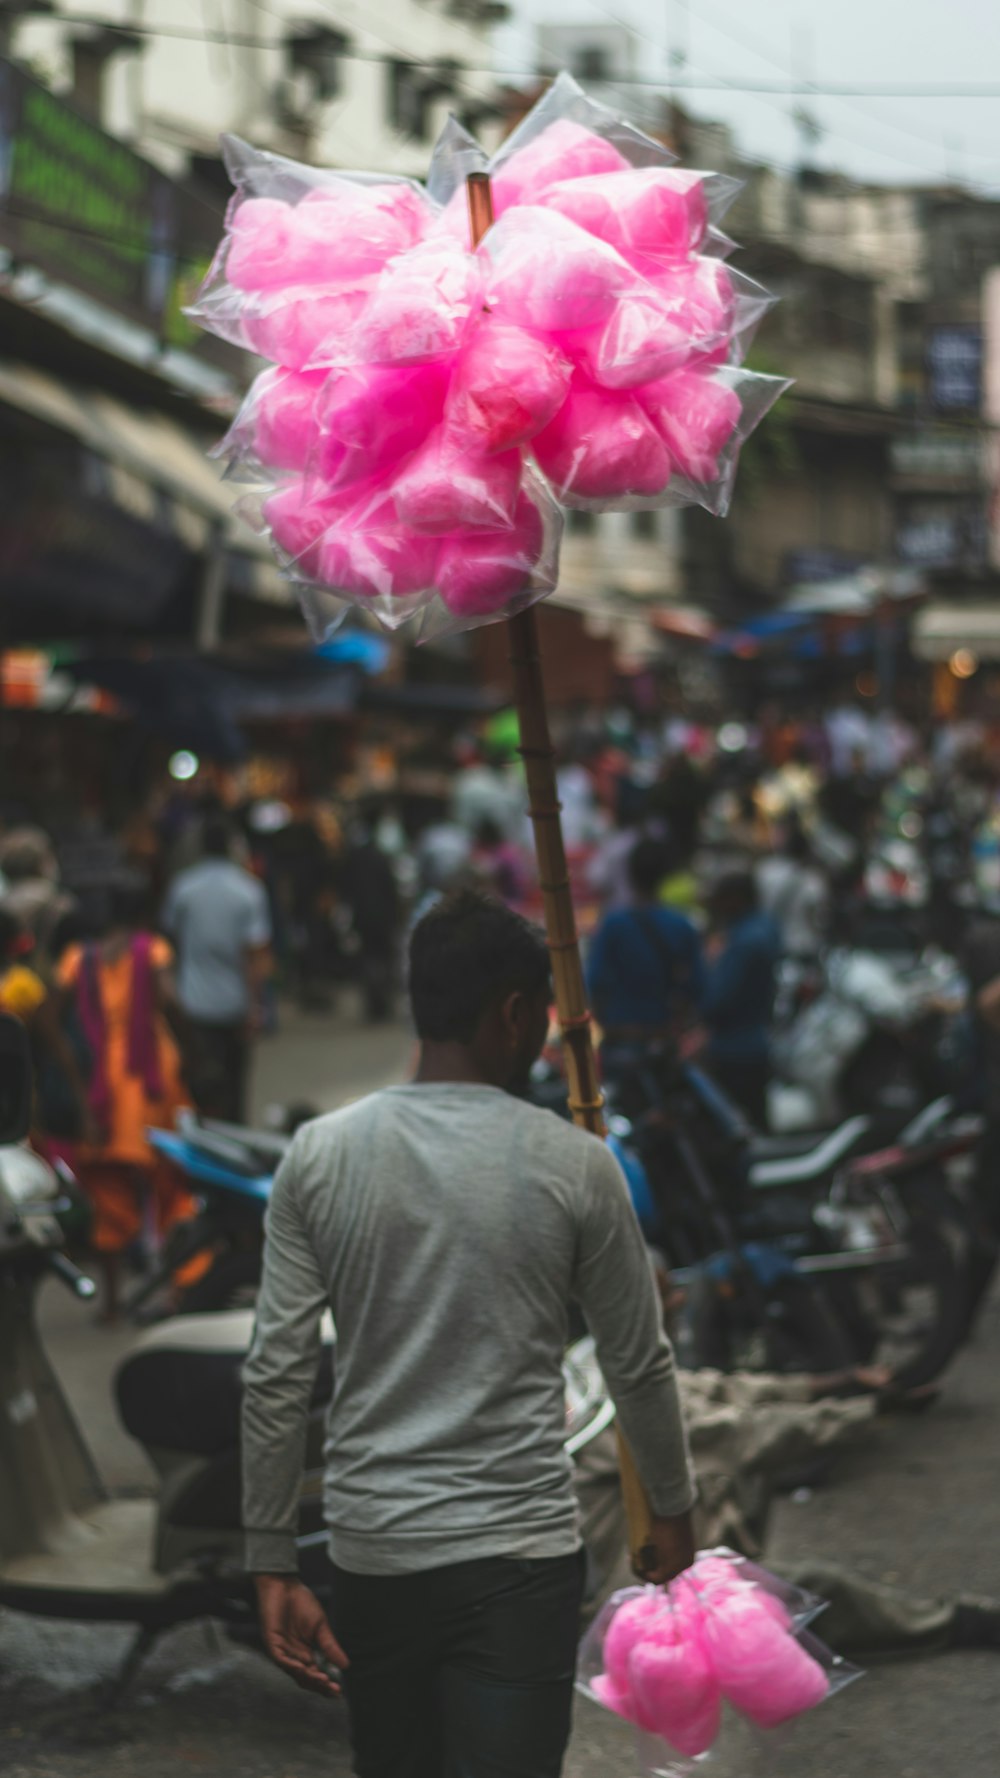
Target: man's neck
column 441, row 1063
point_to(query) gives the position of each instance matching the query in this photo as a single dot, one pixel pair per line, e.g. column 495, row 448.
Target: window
column 581, row 524
column 407, row 106
column 592, row 63
column 643, row 526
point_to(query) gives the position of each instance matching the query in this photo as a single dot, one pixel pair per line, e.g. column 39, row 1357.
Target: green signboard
column 84, row 208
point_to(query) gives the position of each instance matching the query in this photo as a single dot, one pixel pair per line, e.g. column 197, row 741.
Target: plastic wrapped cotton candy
column 430, row 401
column 696, row 414
column 602, row 448
column 660, row 213
column 291, row 327
column 419, row 310
column 371, row 415
column 482, row 572
column 565, row 150
column 447, row 488
column 674, row 1685
column 506, row 386
column 762, row 1670
column 547, row 274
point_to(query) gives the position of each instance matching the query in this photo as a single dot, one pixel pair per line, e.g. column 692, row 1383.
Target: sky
column 894, row 43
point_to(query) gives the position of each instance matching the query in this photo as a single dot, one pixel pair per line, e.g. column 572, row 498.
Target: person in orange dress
column 121, row 986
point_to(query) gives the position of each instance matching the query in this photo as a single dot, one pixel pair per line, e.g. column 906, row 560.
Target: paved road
column 918, row 1505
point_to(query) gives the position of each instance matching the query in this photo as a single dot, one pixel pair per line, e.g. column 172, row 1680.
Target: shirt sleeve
column 614, row 1285
column 257, row 923
column 278, row 1378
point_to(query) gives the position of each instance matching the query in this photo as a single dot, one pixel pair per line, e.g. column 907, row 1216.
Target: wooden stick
column 585, row 1098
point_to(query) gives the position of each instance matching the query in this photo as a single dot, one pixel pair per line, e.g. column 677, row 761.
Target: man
column 645, row 969
column 448, row 1224
column 738, row 1001
column 217, row 915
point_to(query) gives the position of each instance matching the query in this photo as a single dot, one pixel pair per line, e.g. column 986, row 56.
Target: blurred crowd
column 148, row 961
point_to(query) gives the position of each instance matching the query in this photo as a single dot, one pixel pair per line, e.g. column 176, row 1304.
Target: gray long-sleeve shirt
column 447, row 1227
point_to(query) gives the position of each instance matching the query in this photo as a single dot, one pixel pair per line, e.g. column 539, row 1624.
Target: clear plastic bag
column 725, row 1631
column 430, row 408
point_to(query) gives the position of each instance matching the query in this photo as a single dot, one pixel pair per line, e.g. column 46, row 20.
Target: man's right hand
column 296, row 1633
column 669, row 1550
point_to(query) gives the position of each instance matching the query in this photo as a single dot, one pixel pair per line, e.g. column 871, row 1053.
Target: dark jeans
column 461, row 1672
column 218, row 1061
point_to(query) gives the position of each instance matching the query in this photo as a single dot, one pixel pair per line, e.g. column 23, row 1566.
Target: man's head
column 733, row 898
column 479, row 988
column 649, row 863
column 216, row 838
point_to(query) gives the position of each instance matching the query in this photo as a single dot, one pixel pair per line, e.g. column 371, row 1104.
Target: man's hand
column 668, row 1552
column 296, row 1633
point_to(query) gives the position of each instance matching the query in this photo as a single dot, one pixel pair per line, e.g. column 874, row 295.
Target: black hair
column 468, row 954
column 735, row 895
column 129, row 902
column 216, row 836
column 649, row 862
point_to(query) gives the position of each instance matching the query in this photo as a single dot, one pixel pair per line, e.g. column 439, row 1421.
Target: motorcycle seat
column 810, row 1164
column 181, row 1388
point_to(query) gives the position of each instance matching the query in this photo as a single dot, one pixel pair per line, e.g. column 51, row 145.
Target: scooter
column 68, row 1547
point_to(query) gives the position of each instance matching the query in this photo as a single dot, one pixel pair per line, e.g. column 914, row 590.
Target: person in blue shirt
column 738, row 999
column 645, row 970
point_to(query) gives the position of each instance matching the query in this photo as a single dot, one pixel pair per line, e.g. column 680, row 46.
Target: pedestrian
column 796, row 893
column 448, row 1224
column 644, row 971
column 368, row 887
column 738, row 1000
column 120, row 990
column 217, row 915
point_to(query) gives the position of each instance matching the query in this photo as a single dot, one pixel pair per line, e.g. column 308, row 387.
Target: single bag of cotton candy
column 704, row 416
column 762, row 1669
column 547, row 275
column 645, row 1659
column 506, row 385
column 277, row 427
column 655, row 213
column 419, row 309
column 484, row 573
column 602, row 450
column 370, row 416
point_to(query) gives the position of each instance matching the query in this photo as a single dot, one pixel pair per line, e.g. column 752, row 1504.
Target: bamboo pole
column 586, row 1101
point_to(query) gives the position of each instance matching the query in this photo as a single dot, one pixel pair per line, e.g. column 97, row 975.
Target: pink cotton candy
column 293, row 327
column 260, row 238
column 298, row 517
column 447, row 488
column 641, row 340
column 675, row 1692
column 607, row 1693
column 284, row 418
column 696, row 416
column 480, row 572
column 387, row 561
column 762, row 1669
column 373, row 414
column 421, row 307
column 549, row 275
column 659, row 212
column 630, row 1622
column 506, row 386
column 602, row 446
column 700, row 298
column 563, row 150
column 346, row 231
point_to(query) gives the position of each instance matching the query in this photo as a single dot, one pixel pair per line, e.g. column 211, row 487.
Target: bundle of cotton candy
column 666, row 1659
column 431, row 406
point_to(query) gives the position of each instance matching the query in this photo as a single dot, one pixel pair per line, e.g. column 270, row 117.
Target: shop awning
column 940, row 629
column 152, row 468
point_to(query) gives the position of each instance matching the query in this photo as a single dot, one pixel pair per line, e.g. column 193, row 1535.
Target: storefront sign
column 954, row 362
column 86, row 210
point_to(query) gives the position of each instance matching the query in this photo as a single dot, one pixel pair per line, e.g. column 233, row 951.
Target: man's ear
column 513, row 1017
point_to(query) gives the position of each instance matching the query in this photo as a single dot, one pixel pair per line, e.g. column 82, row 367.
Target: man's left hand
column 297, row 1634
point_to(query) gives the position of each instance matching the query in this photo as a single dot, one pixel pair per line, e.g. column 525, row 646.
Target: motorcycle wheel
column 910, row 1316
column 231, row 1282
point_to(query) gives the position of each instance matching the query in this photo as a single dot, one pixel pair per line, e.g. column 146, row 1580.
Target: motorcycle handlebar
column 71, row 1275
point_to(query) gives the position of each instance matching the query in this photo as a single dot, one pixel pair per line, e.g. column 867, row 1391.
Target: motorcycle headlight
column 25, row 1178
